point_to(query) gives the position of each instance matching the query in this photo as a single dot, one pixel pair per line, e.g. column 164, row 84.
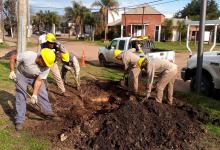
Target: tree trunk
column 93, row 34
column 180, row 38
column 12, row 32
column 106, row 26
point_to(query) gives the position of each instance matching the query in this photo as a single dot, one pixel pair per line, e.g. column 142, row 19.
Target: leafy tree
column 38, row 20
column 192, row 10
column 45, row 20
column 10, row 21
column 105, row 7
column 167, row 29
column 90, row 19
column 77, row 14
column 50, row 19
column 181, row 28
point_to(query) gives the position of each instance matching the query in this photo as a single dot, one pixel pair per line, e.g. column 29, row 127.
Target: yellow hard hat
column 50, row 37
column 65, row 56
column 142, row 38
column 48, row 56
column 116, row 53
column 140, row 51
column 140, row 61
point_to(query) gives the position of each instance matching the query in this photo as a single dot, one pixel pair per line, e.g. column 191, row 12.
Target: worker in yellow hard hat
column 32, row 69
column 70, row 63
column 52, row 43
column 166, row 72
column 130, row 65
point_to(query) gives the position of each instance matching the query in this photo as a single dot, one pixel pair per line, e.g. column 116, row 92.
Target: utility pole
column 1, row 22
column 28, row 20
column 125, row 23
column 142, row 31
column 200, row 45
column 22, row 26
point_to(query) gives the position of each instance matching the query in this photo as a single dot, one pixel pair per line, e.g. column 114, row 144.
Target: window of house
column 193, row 33
column 121, row 45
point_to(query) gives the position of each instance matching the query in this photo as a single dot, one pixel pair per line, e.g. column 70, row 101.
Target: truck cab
column 105, row 54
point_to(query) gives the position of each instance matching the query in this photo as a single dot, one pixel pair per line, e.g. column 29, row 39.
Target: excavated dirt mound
column 88, row 122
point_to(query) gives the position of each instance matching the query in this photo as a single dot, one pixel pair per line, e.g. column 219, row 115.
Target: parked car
column 125, row 43
column 210, row 72
column 58, row 33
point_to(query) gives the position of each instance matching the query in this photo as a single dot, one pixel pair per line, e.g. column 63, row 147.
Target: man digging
column 59, row 49
column 31, row 69
column 165, row 70
column 70, row 63
column 130, row 65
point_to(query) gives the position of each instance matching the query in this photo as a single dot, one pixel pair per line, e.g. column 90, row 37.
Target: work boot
column 19, row 126
column 65, row 94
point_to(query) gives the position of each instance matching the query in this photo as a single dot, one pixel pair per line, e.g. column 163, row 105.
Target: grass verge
column 4, row 45
column 181, row 47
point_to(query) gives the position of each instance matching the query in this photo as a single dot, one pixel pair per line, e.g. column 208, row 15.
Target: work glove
column 34, row 99
column 148, row 95
column 12, row 75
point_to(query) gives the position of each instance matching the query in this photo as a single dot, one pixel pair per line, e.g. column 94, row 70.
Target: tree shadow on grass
column 7, row 101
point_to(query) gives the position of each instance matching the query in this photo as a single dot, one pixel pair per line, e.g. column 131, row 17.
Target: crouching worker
column 31, row 69
column 70, row 63
column 166, row 72
column 131, row 68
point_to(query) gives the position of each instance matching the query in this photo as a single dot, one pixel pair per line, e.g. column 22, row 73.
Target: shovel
column 26, row 93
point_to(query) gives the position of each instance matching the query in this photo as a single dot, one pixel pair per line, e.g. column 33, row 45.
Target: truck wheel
column 206, row 85
column 102, row 61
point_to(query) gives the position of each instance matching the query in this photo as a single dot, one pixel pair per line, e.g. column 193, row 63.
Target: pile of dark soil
column 148, row 126
column 119, row 123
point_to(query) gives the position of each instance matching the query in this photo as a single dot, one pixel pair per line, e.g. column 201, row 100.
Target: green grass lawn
column 3, row 45
column 9, row 138
column 181, row 47
column 31, row 44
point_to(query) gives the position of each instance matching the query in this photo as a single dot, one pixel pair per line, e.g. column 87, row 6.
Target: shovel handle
column 26, row 92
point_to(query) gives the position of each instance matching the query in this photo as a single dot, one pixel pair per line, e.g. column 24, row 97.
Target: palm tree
column 38, row 20
column 105, row 7
column 91, row 20
column 51, row 18
column 181, row 28
column 77, row 14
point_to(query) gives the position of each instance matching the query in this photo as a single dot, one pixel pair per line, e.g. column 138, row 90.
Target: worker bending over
column 31, row 69
column 59, row 49
column 70, row 63
column 131, row 68
column 166, row 72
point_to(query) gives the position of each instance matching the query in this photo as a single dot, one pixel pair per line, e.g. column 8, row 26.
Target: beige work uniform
column 166, row 72
column 57, row 77
column 130, row 61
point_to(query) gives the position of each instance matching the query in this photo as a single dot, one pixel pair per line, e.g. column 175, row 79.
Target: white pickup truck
column 210, row 72
column 210, row 82
column 105, row 53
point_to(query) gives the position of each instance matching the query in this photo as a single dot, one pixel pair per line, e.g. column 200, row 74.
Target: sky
column 166, row 7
